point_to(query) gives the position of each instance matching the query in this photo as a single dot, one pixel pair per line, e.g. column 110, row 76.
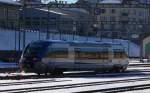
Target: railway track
column 31, row 82
column 120, row 89
column 18, row 76
column 49, row 88
column 128, row 73
column 139, row 65
column 132, row 72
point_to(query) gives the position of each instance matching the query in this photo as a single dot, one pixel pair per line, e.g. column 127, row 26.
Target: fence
column 23, row 24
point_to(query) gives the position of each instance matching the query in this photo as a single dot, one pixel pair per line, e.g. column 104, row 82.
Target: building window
column 102, row 26
column 99, row 11
column 125, row 14
column 113, row 11
column 103, row 11
column 112, row 26
column 141, row 14
column 103, row 18
column 112, row 18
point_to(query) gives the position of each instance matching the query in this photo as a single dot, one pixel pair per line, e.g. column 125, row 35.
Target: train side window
column 103, row 55
column 91, row 54
column 85, row 53
column 119, row 54
column 57, row 53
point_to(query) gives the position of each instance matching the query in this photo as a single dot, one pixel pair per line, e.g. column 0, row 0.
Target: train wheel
column 120, row 70
column 96, row 72
column 45, row 74
column 57, row 73
column 40, row 68
column 38, row 73
column 124, row 69
column 117, row 70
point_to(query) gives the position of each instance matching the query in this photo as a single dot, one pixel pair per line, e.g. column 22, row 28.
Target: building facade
column 129, row 19
column 9, row 14
column 68, row 21
column 125, row 19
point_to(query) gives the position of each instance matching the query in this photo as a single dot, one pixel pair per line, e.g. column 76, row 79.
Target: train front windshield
column 35, row 50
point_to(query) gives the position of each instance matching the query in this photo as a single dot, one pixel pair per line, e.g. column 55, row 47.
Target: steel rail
column 20, row 90
column 31, row 82
column 119, row 89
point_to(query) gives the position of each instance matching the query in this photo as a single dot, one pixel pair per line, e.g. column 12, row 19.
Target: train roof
column 80, row 42
column 104, row 45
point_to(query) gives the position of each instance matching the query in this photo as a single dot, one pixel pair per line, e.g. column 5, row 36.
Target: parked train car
column 55, row 57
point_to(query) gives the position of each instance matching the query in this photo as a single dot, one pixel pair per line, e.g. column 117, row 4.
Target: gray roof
column 9, row 2
column 105, row 1
column 111, row 1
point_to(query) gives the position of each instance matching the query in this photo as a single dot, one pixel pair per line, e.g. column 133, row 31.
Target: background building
column 9, row 13
column 120, row 19
column 144, row 1
column 67, row 21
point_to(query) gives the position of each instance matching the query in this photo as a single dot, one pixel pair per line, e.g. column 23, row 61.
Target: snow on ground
column 75, row 81
column 66, row 81
column 96, row 87
column 138, row 68
column 83, row 79
column 10, row 40
column 139, row 91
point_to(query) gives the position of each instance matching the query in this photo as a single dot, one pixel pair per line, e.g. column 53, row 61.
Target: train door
column 48, row 59
column 118, row 56
column 71, row 57
column 105, row 56
column 110, row 54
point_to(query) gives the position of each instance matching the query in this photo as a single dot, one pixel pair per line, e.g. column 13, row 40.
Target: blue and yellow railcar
column 55, row 57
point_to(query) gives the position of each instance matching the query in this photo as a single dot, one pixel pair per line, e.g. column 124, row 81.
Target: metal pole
column 19, row 37
column 15, row 38
column 74, row 29
column 47, row 33
column 39, row 29
column 128, row 35
column 141, row 47
column 7, row 26
column 24, row 36
column 128, row 38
